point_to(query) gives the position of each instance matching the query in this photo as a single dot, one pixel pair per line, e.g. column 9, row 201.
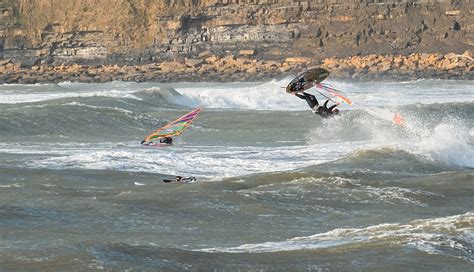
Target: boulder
column 193, row 62
column 5, row 62
column 228, row 60
column 451, row 65
column 212, row 59
column 172, row 66
column 248, row 52
column 467, row 54
column 205, row 54
column 384, row 67
column 451, row 56
column 298, row 60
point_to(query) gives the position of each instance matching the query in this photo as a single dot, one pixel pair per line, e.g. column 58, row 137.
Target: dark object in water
column 180, row 179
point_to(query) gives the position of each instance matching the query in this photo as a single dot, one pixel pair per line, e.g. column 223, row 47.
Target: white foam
column 15, row 98
column 43, row 92
column 438, row 233
column 263, row 96
column 271, row 95
column 450, row 144
column 13, row 185
column 135, row 116
column 205, row 161
column 252, row 96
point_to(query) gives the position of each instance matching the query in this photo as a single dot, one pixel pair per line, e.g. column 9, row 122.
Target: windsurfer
column 172, row 129
column 330, row 110
column 313, row 103
column 180, row 179
column 166, row 140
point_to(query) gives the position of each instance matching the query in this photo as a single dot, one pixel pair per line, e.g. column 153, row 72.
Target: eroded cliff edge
column 300, row 33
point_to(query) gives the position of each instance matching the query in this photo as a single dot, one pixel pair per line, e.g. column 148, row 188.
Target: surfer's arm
column 326, row 104
column 332, row 107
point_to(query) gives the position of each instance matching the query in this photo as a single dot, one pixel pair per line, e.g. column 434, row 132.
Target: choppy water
column 279, row 188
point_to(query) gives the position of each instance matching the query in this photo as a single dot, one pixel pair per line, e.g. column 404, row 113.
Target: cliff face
column 142, row 31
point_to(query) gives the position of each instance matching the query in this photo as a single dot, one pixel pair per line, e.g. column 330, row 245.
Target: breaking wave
column 450, row 235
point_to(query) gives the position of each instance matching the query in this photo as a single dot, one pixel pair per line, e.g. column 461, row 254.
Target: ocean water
column 279, row 189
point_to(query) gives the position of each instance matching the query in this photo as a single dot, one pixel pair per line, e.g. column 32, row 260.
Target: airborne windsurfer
column 313, row 103
column 313, row 78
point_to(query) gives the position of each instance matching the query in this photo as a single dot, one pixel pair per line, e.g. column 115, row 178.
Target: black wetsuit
column 166, row 140
column 310, row 99
column 332, row 107
column 180, row 179
column 323, row 111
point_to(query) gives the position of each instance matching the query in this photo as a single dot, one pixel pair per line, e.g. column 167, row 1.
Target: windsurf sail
column 337, row 96
column 174, row 128
column 398, row 119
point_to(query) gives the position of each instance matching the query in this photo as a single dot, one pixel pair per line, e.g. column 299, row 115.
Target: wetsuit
column 310, row 99
column 166, row 140
column 323, row 111
column 332, row 107
column 180, row 179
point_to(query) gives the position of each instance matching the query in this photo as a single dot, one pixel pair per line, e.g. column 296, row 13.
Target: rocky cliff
column 145, row 31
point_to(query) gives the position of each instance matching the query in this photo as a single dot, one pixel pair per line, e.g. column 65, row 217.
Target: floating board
column 308, row 79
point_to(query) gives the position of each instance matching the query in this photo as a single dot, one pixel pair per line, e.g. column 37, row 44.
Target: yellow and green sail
column 174, row 128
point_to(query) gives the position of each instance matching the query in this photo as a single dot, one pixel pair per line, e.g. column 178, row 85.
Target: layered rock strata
column 145, row 33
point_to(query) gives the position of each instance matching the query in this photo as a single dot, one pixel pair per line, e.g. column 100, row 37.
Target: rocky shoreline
column 245, row 66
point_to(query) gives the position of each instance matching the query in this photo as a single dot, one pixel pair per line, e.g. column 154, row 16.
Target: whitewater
column 279, row 188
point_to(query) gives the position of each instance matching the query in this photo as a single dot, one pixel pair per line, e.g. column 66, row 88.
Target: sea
column 278, row 188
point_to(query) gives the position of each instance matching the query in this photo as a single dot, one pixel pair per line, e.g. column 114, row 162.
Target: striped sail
column 174, row 128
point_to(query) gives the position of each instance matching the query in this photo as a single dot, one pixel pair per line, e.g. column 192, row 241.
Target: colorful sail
column 174, row 128
column 332, row 91
column 398, row 119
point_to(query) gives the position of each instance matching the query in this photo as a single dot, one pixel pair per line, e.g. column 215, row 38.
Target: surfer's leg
column 300, row 96
column 311, row 100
